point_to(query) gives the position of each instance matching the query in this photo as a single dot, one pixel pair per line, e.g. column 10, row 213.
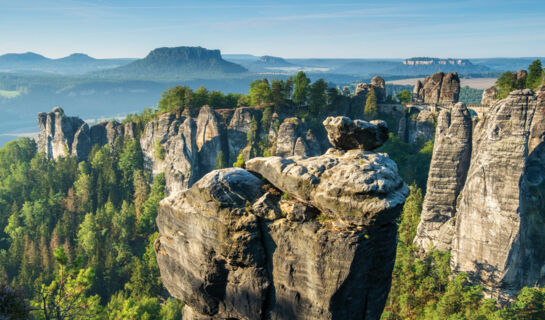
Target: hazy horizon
column 389, row 29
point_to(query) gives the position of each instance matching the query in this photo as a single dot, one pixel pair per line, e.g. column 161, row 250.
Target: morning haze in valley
column 272, row 160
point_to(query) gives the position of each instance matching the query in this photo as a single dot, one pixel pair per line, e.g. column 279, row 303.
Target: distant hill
column 266, row 63
column 77, row 63
column 427, row 65
column 176, row 63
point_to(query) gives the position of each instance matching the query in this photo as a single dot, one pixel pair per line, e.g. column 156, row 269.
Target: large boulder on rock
column 354, row 186
column 233, row 247
column 345, row 133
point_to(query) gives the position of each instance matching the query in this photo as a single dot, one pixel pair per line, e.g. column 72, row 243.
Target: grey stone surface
column 345, row 133
column 176, row 136
column 231, row 248
column 440, row 88
column 447, row 175
column 492, row 222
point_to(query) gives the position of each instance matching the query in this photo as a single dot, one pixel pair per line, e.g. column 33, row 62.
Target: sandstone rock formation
column 237, row 130
column 489, row 95
column 62, row 136
column 209, row 140
column 169, row 145
column 496, row 225
column 293, row 139
column 377, row 84
column 440, row 88
column 447, row 175
column 231, row 248
column 343, row 133
column 417, row 126
column 58, row 134
column 108, row 132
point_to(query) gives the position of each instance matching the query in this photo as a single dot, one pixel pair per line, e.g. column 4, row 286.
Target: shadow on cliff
column 527, row 256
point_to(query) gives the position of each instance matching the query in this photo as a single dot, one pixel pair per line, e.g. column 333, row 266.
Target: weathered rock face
column 447, row 175
column 237, row 130
column 108, row 132
column 169, row 145
column 440, row 88
column 293, row 139
column 209, row 144
column 379, row 85
column 230, row 248
column 497, row 235
column 343, row 133
column 62, row 136
column 417, row 126
column 489, row 95
column 57, row 132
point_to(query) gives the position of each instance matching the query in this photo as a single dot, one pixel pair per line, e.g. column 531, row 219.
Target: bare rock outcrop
column 209, row 140
column 377, row 84
column 440, row 88
column 345, row 133
column 293, row 139
column 417, row 126
column 489, row 95
column 60, row 135
column 106, row 133
column 237, row 131
column 231, row 248
column 447, row 175
column 496, row 226
column 169, row 145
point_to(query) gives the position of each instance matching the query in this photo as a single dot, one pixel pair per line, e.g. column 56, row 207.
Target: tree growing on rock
column 370, row 112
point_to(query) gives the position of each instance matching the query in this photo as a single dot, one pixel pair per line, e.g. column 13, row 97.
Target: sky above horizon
column 291, row 29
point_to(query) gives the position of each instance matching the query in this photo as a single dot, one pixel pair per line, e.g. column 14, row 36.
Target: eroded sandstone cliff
column 231, row 247
column 492, row 222
column 440, row 88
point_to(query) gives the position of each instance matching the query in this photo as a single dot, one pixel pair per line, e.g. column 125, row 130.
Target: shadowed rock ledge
column 315, row 241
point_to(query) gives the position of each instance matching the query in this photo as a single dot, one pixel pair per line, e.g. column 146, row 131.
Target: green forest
column 76, row 239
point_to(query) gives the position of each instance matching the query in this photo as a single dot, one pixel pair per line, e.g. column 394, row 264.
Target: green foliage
column 220, row 161
column 260, row 92
column 12, row 303
column 177, row 98
column 405, row 96
column 371, row 112
column 240, row 161
column 413, row 161
column 535, row 75
column 470, row 95
column 300, row 88
column 317, row 101
column 159, row 150
column 67, row 296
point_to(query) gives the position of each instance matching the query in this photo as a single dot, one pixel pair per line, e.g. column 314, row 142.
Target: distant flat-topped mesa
column 288, row 238
column 485, row 197
column 62, row 136
column 440, row 88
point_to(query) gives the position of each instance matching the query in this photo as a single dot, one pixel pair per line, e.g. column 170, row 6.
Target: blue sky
column 328, row 29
